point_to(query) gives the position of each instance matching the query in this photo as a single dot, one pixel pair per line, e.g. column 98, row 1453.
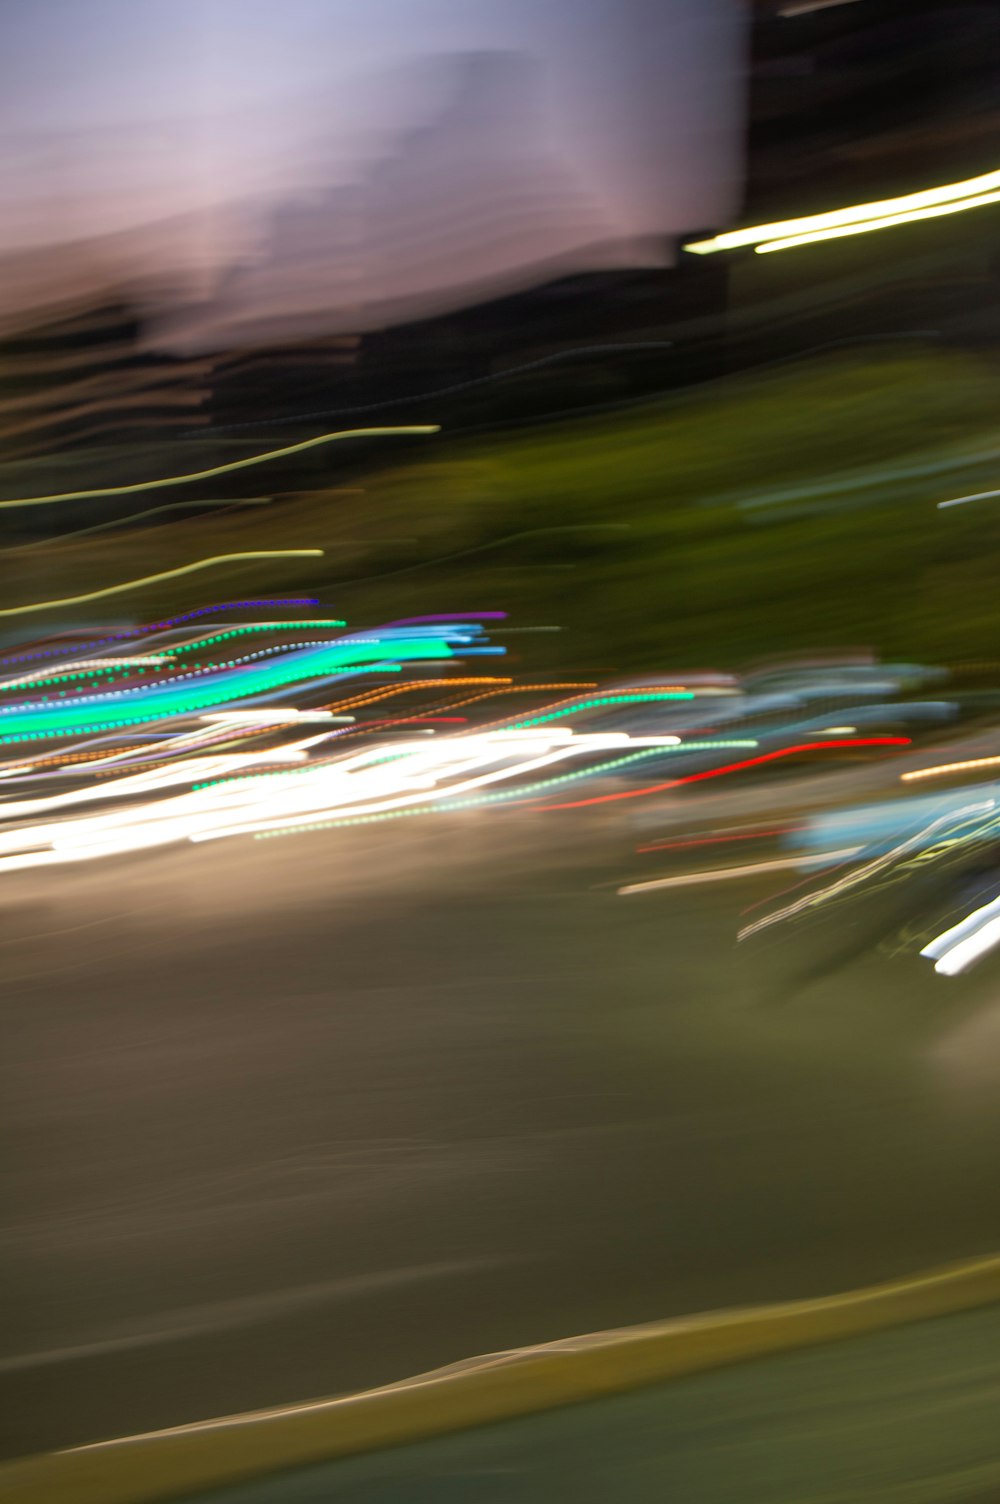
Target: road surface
column 292, row 1117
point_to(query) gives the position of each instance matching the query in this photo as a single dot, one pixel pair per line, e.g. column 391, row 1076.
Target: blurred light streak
column 949, row 767
column 170, row 623
column 175, row 621
column 960, row 501
column 151, row 780
column 373, row 696
column 215, row 760
column 748, row 835
column 735, row 767
column 448, row 804
column 31, row 766
column 145, row 752
column 297, row 669
column 947, row 198
column 722, row 874
column 157, row 627
column 375, row 780
column 447, row 616
column 879, row 864
column 166, row 574
column 502, row 687
column 270, row 717
column 515, row 689
column 872, row 717
column 84, row 668
column 390, row 799
column 622, row 697
column 806, row 7
column 253, row 626
column 883, row 824
column 230, row 465
column 965, row 943
column 891, row 220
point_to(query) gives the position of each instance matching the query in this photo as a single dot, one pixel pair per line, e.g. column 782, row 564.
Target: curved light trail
column 224, row 469
column 166, row 574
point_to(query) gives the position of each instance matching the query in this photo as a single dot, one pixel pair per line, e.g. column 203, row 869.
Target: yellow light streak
column 166, row 574
column 890, row 210
column 254, row 459
column 949, row 767
column 885, row 223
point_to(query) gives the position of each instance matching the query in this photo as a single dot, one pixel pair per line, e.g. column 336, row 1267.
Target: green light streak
column 623, row 699
column 263, row 626
column 79, row 673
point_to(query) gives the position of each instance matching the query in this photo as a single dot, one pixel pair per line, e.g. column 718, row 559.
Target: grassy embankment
column 692, row 571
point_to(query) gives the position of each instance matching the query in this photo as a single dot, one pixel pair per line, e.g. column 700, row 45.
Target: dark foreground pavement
column 902, row 1417
column 295, row 1117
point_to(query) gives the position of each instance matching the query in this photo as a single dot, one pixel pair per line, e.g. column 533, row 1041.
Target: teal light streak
column 138, row 669
column 36, row 723
column 192, row 673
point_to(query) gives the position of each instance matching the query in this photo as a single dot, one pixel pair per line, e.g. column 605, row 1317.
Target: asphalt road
column 291, row 1117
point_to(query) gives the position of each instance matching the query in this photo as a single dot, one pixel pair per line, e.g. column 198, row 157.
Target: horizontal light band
column 947, row 198
column 886, row 223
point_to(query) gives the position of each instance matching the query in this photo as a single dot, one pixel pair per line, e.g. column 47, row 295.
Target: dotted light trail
column 637, row 697
column 132, row 707
column 184, row 745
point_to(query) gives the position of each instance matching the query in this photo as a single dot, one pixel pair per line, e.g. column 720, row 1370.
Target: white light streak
column 960, row 501
column 723, row 874
column 870, row 869
column 81, row 665
column 382, row 778
column 965, row 943
column 271, row 717
column 806, row 7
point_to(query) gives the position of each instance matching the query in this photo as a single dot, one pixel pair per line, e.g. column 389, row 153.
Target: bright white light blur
column 965, row 943
column 378, row 779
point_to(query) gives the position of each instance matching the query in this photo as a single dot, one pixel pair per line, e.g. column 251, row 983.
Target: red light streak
column 734, row 767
